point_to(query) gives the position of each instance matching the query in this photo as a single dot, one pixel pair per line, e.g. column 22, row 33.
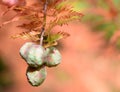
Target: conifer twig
column 44, row 21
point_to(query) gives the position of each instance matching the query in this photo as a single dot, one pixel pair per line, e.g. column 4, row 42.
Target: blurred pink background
column 86, row 66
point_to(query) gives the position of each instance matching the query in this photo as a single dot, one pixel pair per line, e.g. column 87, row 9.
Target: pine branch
column 64, row 17
column 31, row 35
column 42, row 18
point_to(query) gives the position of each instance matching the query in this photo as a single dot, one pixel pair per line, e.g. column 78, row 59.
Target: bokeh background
column 90, row 55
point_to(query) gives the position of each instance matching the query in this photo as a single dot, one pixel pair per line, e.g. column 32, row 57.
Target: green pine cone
column 36, row 55
column 36, row 76
column 24, row 49
column 33, row 54
column 53, row 57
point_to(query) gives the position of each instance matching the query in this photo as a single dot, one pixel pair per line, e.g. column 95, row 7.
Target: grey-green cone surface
column 37, row 58
column 33, row 54
column 36, row 76
column 24, row 49
column 53, row 57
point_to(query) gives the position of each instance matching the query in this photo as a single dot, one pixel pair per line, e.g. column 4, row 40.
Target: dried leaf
column 32, row 35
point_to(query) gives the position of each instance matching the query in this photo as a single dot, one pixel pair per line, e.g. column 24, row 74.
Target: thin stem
column 44, row 22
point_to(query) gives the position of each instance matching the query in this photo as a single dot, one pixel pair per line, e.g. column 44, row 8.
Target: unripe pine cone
column 36, row 76
column 36, row 56
column 53, row 57
column 33, row 54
